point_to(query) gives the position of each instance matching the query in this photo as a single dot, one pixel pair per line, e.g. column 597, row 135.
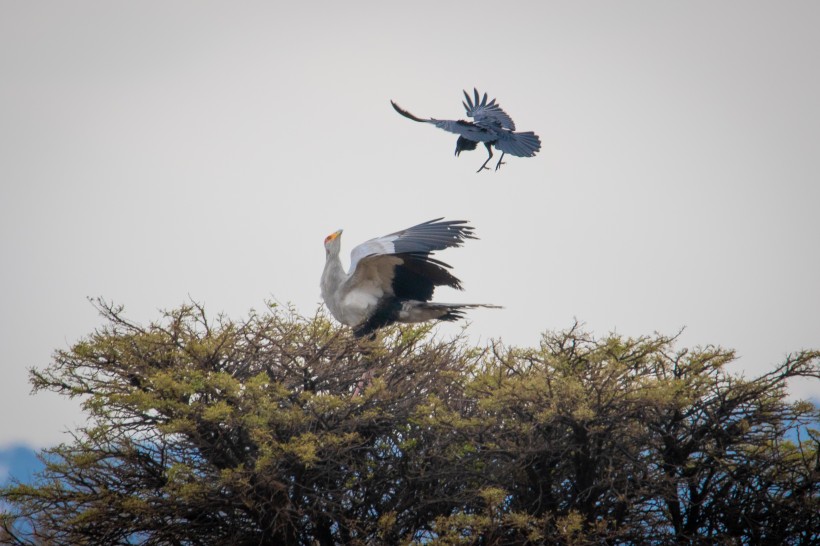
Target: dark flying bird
column 392, row 278
column 492, row 126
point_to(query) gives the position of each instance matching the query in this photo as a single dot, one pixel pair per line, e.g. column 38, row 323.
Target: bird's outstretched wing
column 419, row 240
column 487, row 114
column 468, row 129
column 408, row 115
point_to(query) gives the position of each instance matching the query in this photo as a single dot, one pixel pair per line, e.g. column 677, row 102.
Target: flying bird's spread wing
column 408, row 115
column 487, row 114
column 459, row 127
column 467, row 129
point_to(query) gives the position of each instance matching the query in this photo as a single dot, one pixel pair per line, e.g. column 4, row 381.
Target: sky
column 153, row 153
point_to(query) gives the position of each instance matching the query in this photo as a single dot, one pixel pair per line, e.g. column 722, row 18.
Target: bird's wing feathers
column 487, row 114
column 400, row 264
column 490, row 122
column 460, row 127
column 373, row 274
column 405, row 276
column 408, row 115
column 418, row 275
column 432, row 235
column 466, row 129
column 367, row 287
column 424, row 238
column 374, row 247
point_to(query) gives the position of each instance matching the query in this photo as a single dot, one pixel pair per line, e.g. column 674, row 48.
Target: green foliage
column 286, row 430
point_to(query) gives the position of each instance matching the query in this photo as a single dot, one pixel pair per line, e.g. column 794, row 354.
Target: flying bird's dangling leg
column 500, row 161
column 490, row 150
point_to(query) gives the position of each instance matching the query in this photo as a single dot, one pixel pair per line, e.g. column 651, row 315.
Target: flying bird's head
column 333, row 242
column 464, row 144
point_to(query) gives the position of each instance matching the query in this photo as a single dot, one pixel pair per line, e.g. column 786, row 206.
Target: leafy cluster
column 285, row 430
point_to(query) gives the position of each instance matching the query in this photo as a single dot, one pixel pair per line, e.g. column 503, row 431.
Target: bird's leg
column 500, row 162
column 367, row 374
column 364, row 380
column 490, row 150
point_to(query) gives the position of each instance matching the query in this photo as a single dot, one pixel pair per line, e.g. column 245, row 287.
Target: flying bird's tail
column 524, row 144
column 420, row 311
column 407, row 114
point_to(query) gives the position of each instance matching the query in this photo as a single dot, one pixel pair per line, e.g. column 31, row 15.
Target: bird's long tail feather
column 417, row 311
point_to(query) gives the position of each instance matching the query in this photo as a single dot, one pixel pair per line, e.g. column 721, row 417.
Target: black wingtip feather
column 406, row 114
column 469, row 100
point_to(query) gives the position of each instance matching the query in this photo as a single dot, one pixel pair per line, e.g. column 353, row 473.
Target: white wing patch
column 380, row 245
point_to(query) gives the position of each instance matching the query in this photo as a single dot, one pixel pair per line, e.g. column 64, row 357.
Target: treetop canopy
column 282, row 429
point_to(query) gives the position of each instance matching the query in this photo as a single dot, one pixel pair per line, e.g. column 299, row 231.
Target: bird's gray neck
column 332, row 276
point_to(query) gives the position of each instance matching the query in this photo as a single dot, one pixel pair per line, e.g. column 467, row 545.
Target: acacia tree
column 285, row 430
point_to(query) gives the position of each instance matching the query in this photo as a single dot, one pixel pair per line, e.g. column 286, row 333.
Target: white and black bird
column 492, row 126
column 392, row 278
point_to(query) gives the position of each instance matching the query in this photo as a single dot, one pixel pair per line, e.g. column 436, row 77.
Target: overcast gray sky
column 156, row 151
